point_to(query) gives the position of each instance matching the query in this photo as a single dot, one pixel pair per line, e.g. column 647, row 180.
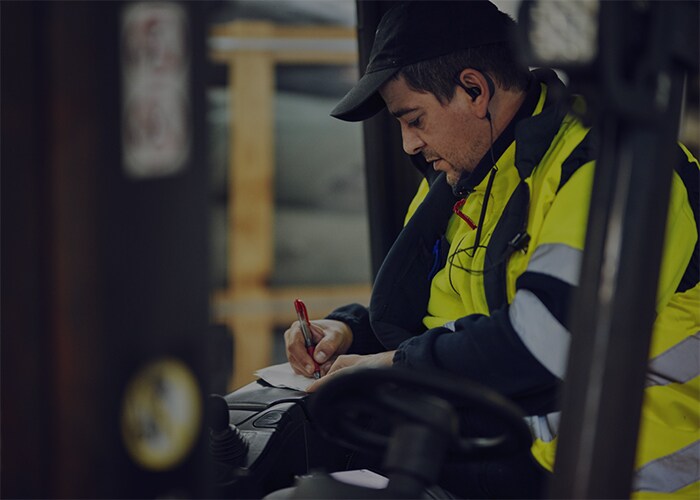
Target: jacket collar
column 535, row 134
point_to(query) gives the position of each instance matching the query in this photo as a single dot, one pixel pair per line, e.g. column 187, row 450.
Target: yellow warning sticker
column 161, row 414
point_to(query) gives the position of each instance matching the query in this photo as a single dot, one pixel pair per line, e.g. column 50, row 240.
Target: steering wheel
column 388, row 397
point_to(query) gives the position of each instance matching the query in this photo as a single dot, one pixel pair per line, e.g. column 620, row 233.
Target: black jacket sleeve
column 486, row 350
column 356, row 316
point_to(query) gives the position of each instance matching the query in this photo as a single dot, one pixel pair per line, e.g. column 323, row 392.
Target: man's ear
column 477, row 83
column 466, row 80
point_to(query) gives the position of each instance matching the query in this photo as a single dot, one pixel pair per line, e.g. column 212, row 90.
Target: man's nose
column 412, row 143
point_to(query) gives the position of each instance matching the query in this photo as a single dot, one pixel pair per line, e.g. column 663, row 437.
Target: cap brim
column 363, row 101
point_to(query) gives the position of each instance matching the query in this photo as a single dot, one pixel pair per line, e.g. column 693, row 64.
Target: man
column 478, row 283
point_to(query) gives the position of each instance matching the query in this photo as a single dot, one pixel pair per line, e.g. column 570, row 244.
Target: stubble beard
column 467, row 163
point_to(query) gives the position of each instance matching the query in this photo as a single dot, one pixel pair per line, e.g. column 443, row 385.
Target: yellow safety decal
column 161, row 414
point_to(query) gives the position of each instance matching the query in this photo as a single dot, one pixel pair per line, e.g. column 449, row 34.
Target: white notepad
column 283, row 376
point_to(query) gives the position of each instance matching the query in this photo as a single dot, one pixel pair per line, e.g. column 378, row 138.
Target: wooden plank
column 311, row 57
column 264, row 29
column 250, row 173
column 277, row 305
column 284, row 44
column 291, row 57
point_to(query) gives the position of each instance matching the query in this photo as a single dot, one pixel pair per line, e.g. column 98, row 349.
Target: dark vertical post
column 24, row 353
column 641, row 85
column 104, row 275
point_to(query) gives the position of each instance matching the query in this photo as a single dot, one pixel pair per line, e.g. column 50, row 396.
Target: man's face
column 448, row 135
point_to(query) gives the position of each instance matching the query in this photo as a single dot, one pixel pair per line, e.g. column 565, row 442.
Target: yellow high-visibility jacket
column 485, row 293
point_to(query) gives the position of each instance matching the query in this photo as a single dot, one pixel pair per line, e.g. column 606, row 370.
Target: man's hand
column 332, row 338
column 354, row 361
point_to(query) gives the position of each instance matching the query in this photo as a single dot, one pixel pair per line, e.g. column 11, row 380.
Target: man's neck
column 505, row 105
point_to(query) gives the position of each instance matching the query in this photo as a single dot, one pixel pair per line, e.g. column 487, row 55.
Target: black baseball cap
column 416, row 31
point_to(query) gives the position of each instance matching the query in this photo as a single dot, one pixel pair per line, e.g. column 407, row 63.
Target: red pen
column 306, row 330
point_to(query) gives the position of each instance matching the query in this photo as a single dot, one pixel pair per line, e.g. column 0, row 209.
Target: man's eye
column 415, row 123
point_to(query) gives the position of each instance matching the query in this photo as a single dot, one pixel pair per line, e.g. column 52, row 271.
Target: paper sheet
column 362, row 477
column 283, row 376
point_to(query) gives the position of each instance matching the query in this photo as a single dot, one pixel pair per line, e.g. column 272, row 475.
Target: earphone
column 473, row 92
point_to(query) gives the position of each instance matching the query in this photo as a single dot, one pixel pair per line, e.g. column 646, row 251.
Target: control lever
column 226, row 444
